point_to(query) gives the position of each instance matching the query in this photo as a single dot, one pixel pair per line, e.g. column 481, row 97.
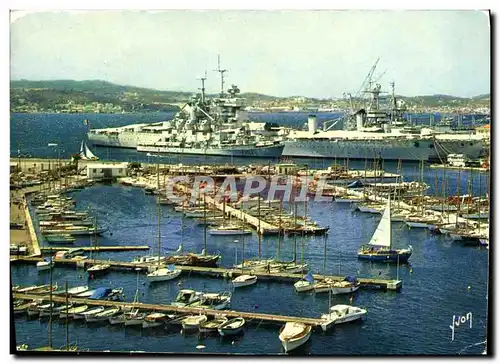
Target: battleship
column 216, row 126
column 375, row 127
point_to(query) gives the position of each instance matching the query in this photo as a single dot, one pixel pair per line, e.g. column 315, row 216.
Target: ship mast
column 221, row 71
column 203, row 79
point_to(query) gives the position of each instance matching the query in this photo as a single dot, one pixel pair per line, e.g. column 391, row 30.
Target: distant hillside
column 447, row 100
column 106, row 97
column 98, row 96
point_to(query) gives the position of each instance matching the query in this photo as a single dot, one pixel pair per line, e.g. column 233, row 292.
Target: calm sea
column 445, row 278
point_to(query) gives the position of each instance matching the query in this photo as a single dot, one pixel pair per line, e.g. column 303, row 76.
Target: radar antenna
column 221, row 71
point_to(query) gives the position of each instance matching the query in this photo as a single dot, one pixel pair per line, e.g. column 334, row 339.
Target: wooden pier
column 261, row 226
column 229, row 273
column 249, row 316
column 96, row 248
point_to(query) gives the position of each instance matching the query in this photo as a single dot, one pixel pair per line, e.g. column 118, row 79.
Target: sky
column 282, row 53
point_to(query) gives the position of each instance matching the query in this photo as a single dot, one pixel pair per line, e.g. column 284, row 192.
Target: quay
column 249, row 316
column 261, row 226
column 477, row 169
column 366, row 283
column 96, row 248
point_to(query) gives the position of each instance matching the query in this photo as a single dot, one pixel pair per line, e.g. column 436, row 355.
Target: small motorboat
column 102, row 316
column 106, row 293
column 176, row 320
column 213, row 325
column 193, row 322
column 244, row 280
column 117, row 319
column 98, row 269
column 164, row 274
column 72, row 291
column 155, row 319
column 85, row 294
column 134, row 318
column 340, row 314
column 90, row 311
column 305, row 284
column 60, row 238
column 294, row 334
column 74, row 310
column 229, row 230
column 55, row 310
column 214, row 301
column 186, row 297
column 23, row 308
column 34, row 309
column 232, row 327
column 148, row 259
column 44, row 265
column 348, row 285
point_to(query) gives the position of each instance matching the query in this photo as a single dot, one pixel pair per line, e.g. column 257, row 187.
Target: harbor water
column 444, row 278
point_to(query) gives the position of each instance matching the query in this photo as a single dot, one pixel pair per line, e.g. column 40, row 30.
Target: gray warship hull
column 411, row 150
column 273, row 151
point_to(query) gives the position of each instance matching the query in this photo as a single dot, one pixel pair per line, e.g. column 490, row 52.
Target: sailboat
column 244, row 279
column 195, row 259
column 380, row 245
column 86, row 154
column 97, row 269
column 170, row 272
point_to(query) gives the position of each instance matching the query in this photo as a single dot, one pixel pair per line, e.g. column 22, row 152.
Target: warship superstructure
column 215, row 126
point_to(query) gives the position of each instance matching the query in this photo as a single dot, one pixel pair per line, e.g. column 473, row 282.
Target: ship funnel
column 387, row 128
column 360, row 119
column 312, row 124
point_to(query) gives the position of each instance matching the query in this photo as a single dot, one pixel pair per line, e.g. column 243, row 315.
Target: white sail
column 382, row 236
column 88, row 153
column 82, row 152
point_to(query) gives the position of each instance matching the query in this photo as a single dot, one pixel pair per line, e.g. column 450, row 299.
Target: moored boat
column 89, row 311
column 186, row 297
column 155, row 319
column 193, row 322
column 380, row 246
column 232, row 327
column 213, row 325
column 306, row 284
column 340, row 314
column 60, row 238
column 103, row 315
column 73, row 310
column 244, row 280
column 98, row 269
column 229, row 230
column 164, row 274
column 134, row 317
column 294, row 334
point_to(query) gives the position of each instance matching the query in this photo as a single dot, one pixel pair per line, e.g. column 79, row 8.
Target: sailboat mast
column 458, row 198
column 340, row 261
column 243, row 253
column 50, row 300
column 295, row 234
column 324, row 258
column 159, row 211
column 478, row 203
column 67, row 327
column 280, row 230
column 204, row 223
column 259, row 234
column 389, row 224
